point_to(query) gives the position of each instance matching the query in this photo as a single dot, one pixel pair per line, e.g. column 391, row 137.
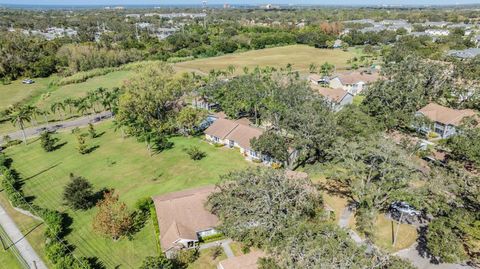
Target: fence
column 8, row 245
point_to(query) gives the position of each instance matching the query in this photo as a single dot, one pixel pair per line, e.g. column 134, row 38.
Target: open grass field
column 299, row 56
column 385, row 230
column 43, row 96
column 122, row 164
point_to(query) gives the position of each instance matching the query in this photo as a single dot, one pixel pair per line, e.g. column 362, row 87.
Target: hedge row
column 58, row 251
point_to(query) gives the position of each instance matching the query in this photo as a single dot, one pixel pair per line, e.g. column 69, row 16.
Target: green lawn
column 8, row 260
column 300, row 56
column 126, row 166
column 42, row 96
column 17, row 92
column 206, row 261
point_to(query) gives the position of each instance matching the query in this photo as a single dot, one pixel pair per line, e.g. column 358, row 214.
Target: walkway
column 59, row 125
column 225, row 245
column 21, row 243
column 410, row 253
column 413, row 255
column 343, row 223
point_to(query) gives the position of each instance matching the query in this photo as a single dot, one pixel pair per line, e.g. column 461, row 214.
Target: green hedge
column 153, row 214
column 211, row 238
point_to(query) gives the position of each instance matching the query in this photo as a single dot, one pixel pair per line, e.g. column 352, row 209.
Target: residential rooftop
column 182, row 214
column 446, row 115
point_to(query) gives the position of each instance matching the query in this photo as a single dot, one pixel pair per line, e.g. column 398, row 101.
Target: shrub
column 144, row 204
column 159, row 262
column 276, row 165
column 195, row 153
column 78, row 194
column 432, row 135
column 187, row 256
column 216, row 252
column 47, row 141
column 91, row 130
column 211, row 238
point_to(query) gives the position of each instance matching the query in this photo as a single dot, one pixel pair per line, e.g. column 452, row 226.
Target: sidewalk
column 21, row 243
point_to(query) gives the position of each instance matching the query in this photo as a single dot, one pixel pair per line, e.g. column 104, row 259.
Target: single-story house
column 204, row 104
column 465, row 54
column 445, row 120
column 183, row 219
column 236, row 134
column 437, row 32
column 353, row 82
column 318, row 80
column 337, row 98
column 246, row 261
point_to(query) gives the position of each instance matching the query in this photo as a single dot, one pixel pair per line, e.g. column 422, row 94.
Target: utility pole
column 398, row 228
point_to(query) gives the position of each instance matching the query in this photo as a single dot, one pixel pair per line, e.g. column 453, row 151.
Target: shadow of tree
column 41, row 172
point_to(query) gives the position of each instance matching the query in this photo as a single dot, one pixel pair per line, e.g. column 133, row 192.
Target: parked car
column 28, row 81
column 405, row 208
column 405, row 213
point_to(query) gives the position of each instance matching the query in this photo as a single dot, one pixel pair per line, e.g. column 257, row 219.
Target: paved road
column 54, row 126
column 412, row 255
column 21, row 243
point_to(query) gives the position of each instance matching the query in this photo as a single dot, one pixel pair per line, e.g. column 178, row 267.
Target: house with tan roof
column 183, row 220
column 337, row 98
column 353, row 82
column 444, row 120
column 318, row 80
column 236, row 134
column 246, row 261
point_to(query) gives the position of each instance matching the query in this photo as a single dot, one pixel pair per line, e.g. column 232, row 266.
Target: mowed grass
column 16, row 92
column 299, row 56
column 8, row 260
column 42, row 96
column 206, row 260
column 126, row 166
column 384, row 232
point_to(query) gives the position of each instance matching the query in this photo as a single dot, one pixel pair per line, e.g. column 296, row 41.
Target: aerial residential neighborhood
column 240, row 134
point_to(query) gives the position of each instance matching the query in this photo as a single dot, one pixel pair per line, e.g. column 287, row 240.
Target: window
column 253, row 153
column 231, row 143
column 216, row 139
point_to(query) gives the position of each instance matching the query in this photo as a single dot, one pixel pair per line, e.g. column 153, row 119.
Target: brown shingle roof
column 239, row 131
column 356, row 77
column 243, row 134
column 182, row 214
column 247, row 261
column 446, row 115
column 334, row 95
column 221, row 128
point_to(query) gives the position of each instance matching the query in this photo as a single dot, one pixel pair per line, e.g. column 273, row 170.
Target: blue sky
column 167, row 2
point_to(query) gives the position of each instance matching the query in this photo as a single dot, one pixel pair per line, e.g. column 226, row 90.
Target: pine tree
column 78, row 193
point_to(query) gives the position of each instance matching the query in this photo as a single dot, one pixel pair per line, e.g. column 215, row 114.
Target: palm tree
column 19, row 115
column 57, row 106
column 82, row 106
